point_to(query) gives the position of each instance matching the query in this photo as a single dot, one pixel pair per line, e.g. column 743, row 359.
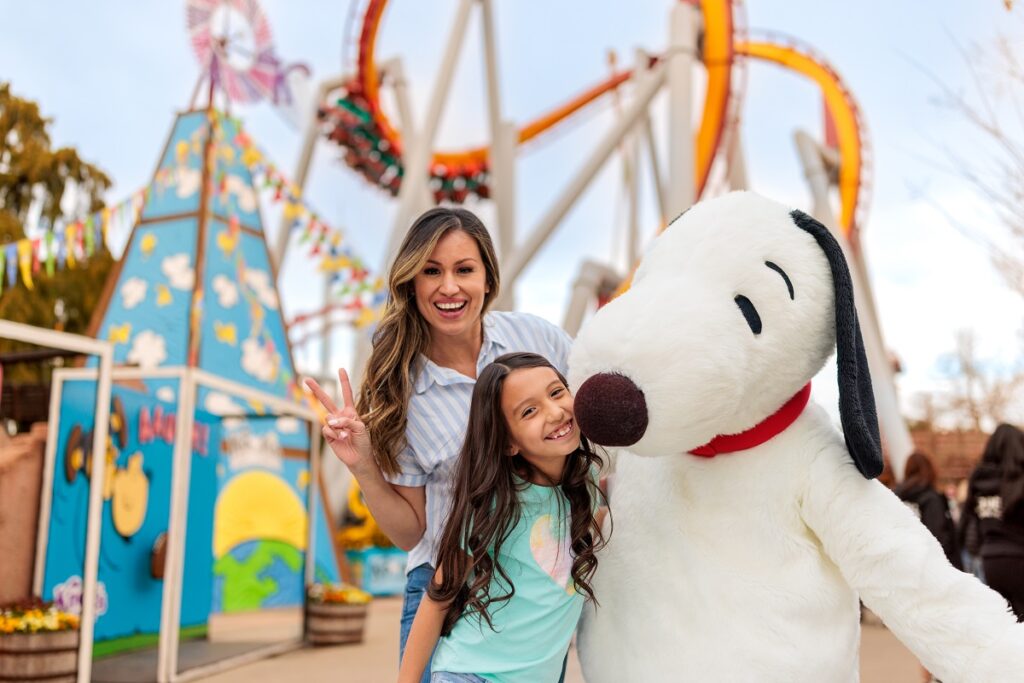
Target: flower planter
column 335, row 623
column 50, row 656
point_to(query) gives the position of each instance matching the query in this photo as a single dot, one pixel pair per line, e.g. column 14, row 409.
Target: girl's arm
column 426, row 630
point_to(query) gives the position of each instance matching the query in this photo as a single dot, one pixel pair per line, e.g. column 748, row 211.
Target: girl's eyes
column 527, row 412
column 557, row 392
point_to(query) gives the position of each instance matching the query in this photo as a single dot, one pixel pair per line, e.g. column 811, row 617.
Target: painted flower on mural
column 165, row 394
column 119, row 334
column 133, row 291
column 226, row 333
column 259, row 360
column 163, row 296
column 262, row 286
column 226, row 290
column 149, row 350
column 147, row 243
column 67, row 596
column 178, row 269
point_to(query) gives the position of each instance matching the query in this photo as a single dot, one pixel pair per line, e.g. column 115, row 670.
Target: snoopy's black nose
column 611, row 410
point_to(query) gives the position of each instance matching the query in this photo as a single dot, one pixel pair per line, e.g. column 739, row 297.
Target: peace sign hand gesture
column 344, row 432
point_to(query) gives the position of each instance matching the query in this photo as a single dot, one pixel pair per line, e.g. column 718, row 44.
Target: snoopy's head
column 734, row 308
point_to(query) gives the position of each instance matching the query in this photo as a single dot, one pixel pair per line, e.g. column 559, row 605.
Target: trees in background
column 39, row 187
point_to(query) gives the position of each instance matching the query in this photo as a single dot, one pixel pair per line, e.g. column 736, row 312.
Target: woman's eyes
column 464, row 270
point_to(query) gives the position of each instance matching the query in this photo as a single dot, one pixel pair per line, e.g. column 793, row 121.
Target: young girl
column 518, row 549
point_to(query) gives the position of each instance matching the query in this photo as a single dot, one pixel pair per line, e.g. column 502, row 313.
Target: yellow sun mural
column 258, row 505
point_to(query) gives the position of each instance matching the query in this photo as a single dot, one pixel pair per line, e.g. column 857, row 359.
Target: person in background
column 995, row 506
column 918, row 491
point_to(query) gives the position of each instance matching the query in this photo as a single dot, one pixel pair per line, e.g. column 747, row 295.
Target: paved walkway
column 883, row 658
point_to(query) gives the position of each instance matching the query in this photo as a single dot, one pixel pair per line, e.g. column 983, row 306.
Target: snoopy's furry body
column 748, row 566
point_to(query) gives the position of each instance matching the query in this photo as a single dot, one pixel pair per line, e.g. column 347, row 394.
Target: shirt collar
column 428, row 372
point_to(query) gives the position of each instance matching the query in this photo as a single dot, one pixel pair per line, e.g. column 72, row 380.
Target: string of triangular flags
column 356, row 289
column 64, row 246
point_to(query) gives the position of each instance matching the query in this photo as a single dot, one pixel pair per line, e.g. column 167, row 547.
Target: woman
column 995, row 504
column 918, row 491
column 436, row 335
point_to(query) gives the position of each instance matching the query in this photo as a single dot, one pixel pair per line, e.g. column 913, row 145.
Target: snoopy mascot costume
column 746, row 526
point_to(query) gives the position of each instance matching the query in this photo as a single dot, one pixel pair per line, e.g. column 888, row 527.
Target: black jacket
column 932, row 508
column 1001, row 531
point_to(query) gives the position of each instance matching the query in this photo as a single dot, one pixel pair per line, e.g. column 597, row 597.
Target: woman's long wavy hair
column 1005, row 450
column 403, row 334
column 486, row 508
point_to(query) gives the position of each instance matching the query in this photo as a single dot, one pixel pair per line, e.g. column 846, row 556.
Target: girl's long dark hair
column 485, row 504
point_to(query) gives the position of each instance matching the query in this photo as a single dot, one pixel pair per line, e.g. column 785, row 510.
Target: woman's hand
column 345, row 432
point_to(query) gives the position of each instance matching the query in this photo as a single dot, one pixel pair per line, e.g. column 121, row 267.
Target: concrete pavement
column 883, row 658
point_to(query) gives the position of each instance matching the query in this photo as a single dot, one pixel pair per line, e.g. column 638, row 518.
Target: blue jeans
column 416, row 582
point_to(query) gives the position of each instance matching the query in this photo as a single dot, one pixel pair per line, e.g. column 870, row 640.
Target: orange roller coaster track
column 374, row 146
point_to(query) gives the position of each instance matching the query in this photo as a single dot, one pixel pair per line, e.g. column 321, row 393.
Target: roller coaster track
column 374, row 146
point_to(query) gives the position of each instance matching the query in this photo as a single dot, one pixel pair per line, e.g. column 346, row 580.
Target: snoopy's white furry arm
column 961, row 631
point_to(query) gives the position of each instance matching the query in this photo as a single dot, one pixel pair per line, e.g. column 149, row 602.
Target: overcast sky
column 112, row 73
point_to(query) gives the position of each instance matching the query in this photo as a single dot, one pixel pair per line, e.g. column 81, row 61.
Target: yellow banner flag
column 25, row 262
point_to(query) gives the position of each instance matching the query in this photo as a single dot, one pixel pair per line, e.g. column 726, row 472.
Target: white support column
column 586, row 287
column 890, row 420
column 657, row 178
column 94, row 526
column 550, row 220
column 181, row 474
column 737, row 162
column 504, row 140
column 309, row 140
column 681, row 58
column 394, row 73
column 316, row 454
column 503, row 191
column 417, row 155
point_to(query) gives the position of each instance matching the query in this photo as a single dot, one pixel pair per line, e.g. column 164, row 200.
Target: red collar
column 763, row 431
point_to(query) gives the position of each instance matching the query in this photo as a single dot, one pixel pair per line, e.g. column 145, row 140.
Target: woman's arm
column 400, row 511
column 426, row 630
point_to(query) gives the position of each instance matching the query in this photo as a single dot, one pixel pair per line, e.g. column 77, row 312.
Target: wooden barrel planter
column 50, row 656
column 335, row 623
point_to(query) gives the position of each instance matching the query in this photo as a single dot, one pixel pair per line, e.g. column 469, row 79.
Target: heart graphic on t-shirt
column 552, row 553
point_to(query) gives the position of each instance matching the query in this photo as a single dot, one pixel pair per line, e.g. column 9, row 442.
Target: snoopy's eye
column 750, row 313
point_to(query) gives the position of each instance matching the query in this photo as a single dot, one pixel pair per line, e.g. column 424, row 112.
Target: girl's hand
column 345, row 432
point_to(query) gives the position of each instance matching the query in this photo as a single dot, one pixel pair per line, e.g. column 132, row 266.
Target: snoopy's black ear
column 856, row 400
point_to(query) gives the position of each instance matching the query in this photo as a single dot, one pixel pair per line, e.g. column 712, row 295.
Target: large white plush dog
column 741, row 558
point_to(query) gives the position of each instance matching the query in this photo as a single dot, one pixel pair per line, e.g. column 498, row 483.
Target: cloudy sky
column 112, row 73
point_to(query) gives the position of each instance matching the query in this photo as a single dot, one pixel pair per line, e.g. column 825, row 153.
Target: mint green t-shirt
column 534, row 627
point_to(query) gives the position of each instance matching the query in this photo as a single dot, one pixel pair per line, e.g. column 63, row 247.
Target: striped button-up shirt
column 439, row 413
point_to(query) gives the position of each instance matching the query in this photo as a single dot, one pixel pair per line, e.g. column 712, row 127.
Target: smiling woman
column 402, row 439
